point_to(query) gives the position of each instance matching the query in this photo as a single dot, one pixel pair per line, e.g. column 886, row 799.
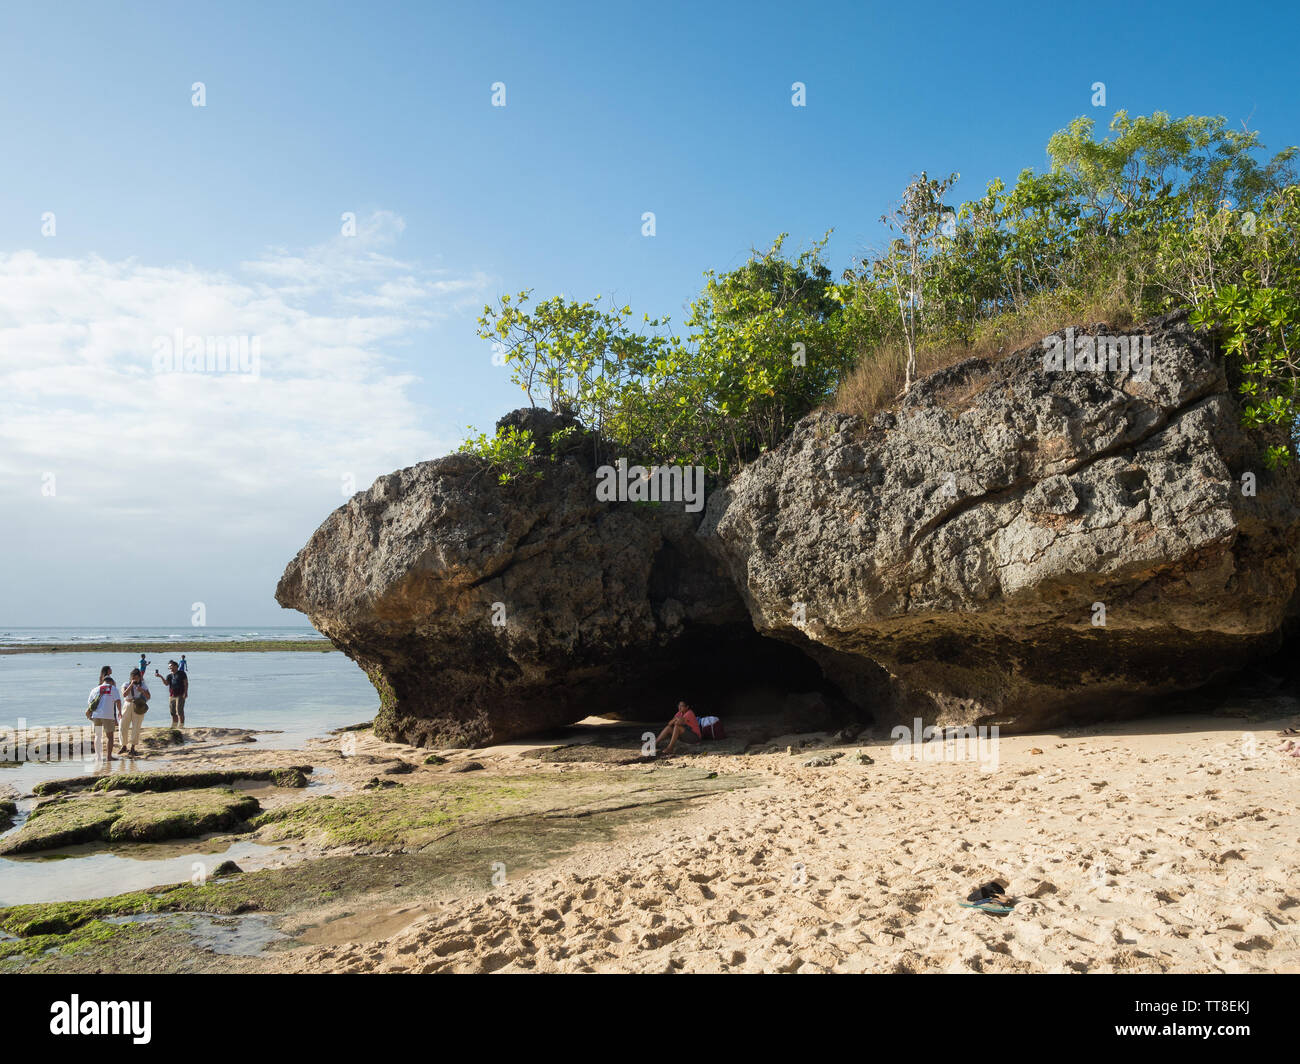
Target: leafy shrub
column 1162, row 213
column 510, row 452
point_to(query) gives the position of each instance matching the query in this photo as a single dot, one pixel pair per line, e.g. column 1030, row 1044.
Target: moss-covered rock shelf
column 409, row 817
column 148, row 817
column 288, row 776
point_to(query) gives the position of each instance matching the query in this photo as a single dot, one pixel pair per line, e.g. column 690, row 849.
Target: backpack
column 93, row 704
column 713, row 730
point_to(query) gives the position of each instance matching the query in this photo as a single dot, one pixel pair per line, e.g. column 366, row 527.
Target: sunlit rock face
column 1017, row 542
column 483, row 611
column 1024, row 544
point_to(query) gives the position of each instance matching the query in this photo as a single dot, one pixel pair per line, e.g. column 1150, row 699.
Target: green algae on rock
column 404, row 818
column 157, row 737
column 146, row 817
column 277, row 888
column 561, row 811
column 293, row 776
column 288, row 776
column 86, row 935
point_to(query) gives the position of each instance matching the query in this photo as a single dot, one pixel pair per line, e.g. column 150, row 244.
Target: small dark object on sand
column 990, row 897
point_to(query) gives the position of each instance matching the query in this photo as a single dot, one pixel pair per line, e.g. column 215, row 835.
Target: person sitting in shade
column 684, row 726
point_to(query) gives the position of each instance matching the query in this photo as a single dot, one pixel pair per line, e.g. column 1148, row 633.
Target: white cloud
column 81, row 398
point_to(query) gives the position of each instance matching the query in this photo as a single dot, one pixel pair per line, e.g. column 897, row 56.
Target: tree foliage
column 1161, row 213
column 763, row 348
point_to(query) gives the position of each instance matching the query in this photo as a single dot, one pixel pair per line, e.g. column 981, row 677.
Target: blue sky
column 226, row 219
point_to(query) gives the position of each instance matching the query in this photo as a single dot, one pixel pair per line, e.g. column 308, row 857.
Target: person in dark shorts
column 683, row 726
column 178, row 689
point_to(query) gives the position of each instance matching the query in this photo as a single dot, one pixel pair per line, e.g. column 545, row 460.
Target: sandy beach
column 1160, row 845
column 1150, row 847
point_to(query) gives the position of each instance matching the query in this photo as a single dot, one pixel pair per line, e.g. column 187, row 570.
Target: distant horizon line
column 125, row 627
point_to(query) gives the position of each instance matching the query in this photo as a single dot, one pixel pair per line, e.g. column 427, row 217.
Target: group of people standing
column 108, row 707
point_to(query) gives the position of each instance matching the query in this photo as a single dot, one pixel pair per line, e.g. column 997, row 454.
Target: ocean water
column 301, row 694
column 290, row 696
column 175, row 638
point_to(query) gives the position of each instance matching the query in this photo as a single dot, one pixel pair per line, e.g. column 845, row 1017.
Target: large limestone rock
column 954, row 558
column 970, row 540
column 608, row 608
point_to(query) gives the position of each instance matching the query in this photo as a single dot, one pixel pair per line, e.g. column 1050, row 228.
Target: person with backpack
column 103, row 710
column 135, row 695
column 178, row 689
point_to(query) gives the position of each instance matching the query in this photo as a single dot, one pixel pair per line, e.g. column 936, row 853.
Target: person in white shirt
column 135, row 698
column 106, row 712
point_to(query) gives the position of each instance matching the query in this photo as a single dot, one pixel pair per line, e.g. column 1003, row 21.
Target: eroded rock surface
column 954, row 558
column 970, row 540
column 483, row 611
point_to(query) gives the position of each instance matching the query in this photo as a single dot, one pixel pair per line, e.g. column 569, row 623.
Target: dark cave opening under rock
column 728, row 671
column 742, row 675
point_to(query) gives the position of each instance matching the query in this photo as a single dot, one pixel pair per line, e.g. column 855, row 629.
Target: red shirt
column 688, row 717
